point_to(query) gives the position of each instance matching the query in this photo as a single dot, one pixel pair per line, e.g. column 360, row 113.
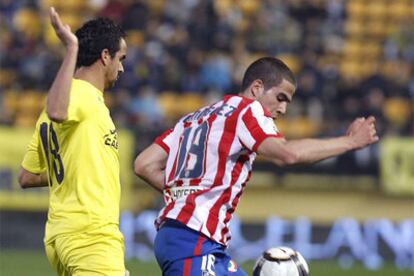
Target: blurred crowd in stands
column 352, row 58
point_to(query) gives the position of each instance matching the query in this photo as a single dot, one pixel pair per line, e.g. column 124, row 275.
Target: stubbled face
column 115, row 67
column 277, row 98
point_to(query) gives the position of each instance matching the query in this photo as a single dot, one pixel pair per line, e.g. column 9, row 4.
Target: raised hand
column 63, row 31
column 356, row 124
column 363, row 132
column 58, row 95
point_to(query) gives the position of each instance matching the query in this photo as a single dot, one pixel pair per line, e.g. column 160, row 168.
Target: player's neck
column 246, row 94
column 91, row 75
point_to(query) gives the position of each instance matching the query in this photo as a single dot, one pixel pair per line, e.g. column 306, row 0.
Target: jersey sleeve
column 33, row 160
column 255, row 125
column 76, row 108
column 165, row 140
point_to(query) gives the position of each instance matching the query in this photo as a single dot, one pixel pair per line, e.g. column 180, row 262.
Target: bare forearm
column 59, row 93
column 150, row 166
column 360, row 134
column 29, row 180
column 41, row 181
column 310, row 151
column 304, row 151
column 155, row 179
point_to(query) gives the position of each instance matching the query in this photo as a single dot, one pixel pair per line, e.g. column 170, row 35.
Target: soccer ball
column 281, row 261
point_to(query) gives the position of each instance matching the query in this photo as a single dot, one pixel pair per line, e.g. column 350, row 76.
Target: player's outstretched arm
column 32, row 180
column 58, row 95
column 150, row 166
column 361, row 133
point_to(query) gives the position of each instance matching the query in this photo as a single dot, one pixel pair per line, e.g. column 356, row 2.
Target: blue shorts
column 182, row 251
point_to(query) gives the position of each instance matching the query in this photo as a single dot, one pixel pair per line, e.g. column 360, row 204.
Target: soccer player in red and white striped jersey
column 203, row 164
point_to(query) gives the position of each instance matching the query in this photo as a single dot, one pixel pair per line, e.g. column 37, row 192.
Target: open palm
column 63, row 31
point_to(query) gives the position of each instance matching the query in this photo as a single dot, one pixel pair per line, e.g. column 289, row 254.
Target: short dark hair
column 270, row 70
column 95, row 36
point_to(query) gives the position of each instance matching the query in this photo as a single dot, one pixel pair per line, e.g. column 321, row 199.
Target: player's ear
column 105, row 57
column 256, row 88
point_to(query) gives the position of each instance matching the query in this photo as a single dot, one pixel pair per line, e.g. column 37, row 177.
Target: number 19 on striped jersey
column 191, row 161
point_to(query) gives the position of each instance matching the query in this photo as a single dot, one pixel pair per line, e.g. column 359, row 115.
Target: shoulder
column 237, row 100
column 75, row 94
column 78, row 90
column 84, row 96
column 246, row 103
column 258, row 109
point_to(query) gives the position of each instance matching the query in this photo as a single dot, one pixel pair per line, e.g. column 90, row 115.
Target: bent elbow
column 56, row 111
column 24, row 182
column 290, row 159
column 139, row 167
column 24, row 185
column 57, row 117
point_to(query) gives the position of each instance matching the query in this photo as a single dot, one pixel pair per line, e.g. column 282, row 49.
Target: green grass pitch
column 34, row 263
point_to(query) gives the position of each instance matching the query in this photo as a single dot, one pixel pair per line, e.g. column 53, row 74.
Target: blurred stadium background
column 352, row 215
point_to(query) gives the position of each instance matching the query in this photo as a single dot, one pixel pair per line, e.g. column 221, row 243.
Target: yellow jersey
column 81, row 159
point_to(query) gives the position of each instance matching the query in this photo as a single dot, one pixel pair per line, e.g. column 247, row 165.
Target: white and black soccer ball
column 281, row 261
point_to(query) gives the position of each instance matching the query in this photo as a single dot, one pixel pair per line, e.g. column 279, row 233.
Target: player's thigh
column 205, row 265
column 54, row 259
column 186, row 267
column 92, row 254
column 225, row 265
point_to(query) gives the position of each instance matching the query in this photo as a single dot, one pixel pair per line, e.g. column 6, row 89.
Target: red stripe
column 229, row 213
column 210, row 120
column 226, row 141
column 164, row 214
column 163, row 145
column 223, row 150
column 178, row 183
column 195, row 182
column 187, row 267
column 174, row 168
column 188, row 209
column 160, row 140
column 197, row 251
column 213, row 217
column 255, row 129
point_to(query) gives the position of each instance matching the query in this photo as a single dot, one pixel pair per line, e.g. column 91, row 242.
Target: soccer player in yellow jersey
column 74, row 151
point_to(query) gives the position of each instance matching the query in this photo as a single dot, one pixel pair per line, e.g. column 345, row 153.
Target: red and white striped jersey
column 210, row 157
